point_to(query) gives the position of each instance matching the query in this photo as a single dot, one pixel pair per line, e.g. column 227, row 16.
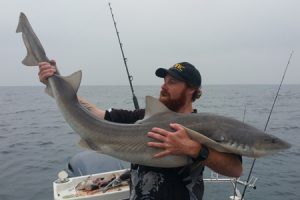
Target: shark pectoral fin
column 74, row 80
column 206, row 141
column 82, row 143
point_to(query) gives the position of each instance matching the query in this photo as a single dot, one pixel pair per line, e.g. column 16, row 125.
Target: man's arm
column 179, row 143
column 92, row 108
column 224, row 163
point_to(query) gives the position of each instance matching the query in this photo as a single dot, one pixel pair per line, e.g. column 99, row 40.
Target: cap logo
column 179, row 67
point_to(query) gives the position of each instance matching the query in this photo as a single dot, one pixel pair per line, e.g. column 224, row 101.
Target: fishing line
column 266, row 125
column 130, row 78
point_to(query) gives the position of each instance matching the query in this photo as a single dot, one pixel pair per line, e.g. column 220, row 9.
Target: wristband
column 203, row 154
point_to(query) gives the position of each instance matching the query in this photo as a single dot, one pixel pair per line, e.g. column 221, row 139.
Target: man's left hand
column 175, row 143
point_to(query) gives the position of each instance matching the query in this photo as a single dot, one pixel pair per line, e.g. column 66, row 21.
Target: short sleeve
column 124, row 116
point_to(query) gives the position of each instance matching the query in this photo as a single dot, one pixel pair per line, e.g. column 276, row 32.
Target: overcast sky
column 230, row 42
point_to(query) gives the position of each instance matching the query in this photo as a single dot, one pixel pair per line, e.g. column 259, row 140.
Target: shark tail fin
column 29, row 60
column 21, row 18
column 31, row 42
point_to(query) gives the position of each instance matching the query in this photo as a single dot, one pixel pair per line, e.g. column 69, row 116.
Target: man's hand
column 175, row 143
column 179, row 143
column 46, row 70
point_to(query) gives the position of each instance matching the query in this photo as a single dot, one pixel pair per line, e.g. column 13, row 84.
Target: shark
column 129, row 141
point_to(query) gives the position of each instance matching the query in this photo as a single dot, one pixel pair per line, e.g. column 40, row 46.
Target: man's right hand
column 46, row 70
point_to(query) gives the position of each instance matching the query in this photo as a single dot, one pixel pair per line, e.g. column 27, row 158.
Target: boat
column 85, row 187
column 98, row 176
column 93, row 176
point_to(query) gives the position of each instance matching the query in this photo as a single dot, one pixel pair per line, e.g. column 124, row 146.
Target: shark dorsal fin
column 154, row 106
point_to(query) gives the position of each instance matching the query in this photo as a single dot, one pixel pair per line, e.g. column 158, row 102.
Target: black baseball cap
column 183, row 71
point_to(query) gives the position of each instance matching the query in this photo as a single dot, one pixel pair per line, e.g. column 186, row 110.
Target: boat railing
column 215, row 178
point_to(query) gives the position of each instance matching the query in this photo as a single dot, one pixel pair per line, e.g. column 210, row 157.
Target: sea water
column 36, row 142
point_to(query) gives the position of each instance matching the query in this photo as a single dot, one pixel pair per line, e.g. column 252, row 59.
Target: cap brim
column 161, row 72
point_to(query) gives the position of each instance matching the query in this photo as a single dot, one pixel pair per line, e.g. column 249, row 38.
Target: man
column 182, row 86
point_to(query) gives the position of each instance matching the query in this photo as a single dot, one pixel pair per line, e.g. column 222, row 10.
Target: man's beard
column 173, row 104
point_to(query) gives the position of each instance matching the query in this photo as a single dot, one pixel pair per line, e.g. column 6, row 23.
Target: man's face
column 173, row 93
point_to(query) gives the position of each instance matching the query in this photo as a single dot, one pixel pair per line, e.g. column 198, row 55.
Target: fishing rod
column 130, row 78
column 235, row 181
column 266, row 125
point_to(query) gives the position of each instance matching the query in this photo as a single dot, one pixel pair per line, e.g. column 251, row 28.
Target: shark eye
column 274, row 140
column 271, row 140
column 220, row 139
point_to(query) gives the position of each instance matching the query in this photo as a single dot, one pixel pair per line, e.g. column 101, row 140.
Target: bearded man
column 181, row 87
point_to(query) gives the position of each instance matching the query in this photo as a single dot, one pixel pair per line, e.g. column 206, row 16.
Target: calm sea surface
column 36, row 143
